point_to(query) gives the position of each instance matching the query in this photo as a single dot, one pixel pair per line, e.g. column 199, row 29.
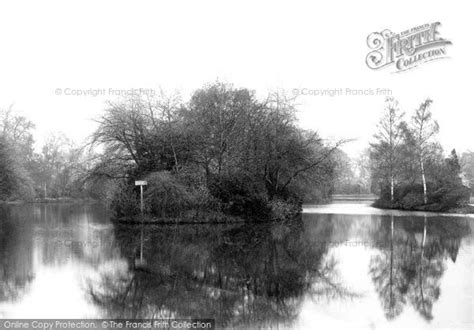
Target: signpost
column 141, row 184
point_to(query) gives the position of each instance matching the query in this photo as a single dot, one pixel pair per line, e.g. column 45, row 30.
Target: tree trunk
column 423, row 178
column 392, row 304
column 391, row 188
column 421, row 265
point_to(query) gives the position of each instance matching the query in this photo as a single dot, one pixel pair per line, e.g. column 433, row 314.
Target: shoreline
column 52, row 201
column 202, row 219
column 466, row 210
column 364, row 208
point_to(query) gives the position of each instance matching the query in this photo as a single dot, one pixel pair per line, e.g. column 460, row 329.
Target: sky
column 53, row 49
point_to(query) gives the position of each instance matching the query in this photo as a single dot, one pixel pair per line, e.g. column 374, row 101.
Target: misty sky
column 48, row 46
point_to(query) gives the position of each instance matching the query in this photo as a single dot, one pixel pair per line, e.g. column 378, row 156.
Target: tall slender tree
column 388, row 139
column 424, row 128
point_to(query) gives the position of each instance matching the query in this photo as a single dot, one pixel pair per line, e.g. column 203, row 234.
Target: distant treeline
column 56, row 170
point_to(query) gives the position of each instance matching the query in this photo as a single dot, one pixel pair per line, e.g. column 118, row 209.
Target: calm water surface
column 341, row 266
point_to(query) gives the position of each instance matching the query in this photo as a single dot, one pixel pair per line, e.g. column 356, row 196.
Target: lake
column 339, row 266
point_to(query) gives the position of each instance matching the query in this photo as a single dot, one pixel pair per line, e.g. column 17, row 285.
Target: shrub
column 195, row 183
column 384, row 204
column 125, row 201
column 451, row 196
column 240, row 195
column 282, row 210
column 165, row 195
column 442, row 198
column 411, row 200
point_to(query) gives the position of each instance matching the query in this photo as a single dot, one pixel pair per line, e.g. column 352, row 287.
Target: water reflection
column 16, row 270
column 43, row 249
column 412, row 267
column 238, row 275
column 69, row 261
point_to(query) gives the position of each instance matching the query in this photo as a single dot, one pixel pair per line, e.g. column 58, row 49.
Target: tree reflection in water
column 35, row 237
column 411, row 265
column 15, row 255
column 238, row 275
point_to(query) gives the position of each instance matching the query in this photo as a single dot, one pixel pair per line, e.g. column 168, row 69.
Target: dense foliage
column 223, row 150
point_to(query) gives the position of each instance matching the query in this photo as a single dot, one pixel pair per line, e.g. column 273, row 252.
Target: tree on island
column 225, row 148
column 424, row 128
column 424, row 178
column 388, row 139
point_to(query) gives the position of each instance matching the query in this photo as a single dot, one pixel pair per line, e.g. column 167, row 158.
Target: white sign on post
column 141, row 184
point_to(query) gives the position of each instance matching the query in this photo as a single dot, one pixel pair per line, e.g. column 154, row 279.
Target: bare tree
column 164, row 115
